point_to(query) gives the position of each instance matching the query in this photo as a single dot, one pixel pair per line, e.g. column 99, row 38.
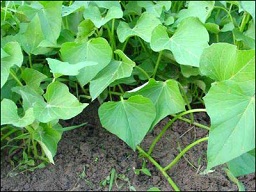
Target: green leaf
column 223, row 61
column 93, row 13
column 48, row 138
column 95, row 50
column 76, row 5
column 165, row 96
column 11, row 55
column 248, row 41
column 242, row 165
column 33, row 78
column 9, row 114
column 85, row 29
column 200, row 9
column 50, row 20
column 232, row 113
column 155, row 8
column 32, row 37
column 129, row 119
column 186, row 47
column 60, row 104
column 59, row 68
column 143, row 28
column 29, row 95
column 114, row 70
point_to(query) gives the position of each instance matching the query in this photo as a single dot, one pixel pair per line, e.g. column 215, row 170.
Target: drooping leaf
column 129, row 119
column 95, row 50
column 165, row 96
column 60, row 104
column 93, row 13
column 48, row 137
column 143, row 28
column 59, row 68
column 186, row 47
column 200, row 9
column 232, row 113
column 223, row 61
column 243, row 165
column 11, row 55
column 115, row 70
column 9, row 114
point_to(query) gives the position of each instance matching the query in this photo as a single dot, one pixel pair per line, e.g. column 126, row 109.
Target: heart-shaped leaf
column 129, row 119
column 166, row 97
column 60, row 104
column 143, row 28
column 200, row 9
column 93, row 13
column 9, row 114
column 115, row 70
column 186, row 47
column 95, row 50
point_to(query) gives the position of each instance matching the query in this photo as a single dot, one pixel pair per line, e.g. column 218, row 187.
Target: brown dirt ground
column 87, row 155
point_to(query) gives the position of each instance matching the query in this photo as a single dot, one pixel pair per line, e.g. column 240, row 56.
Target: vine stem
column 169, row 124
column 157, row 63
column 15, row 77
column 143, row 71
column 177, row 158
column 160, row 168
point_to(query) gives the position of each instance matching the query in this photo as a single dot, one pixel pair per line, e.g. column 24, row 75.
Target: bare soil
column 87, row 155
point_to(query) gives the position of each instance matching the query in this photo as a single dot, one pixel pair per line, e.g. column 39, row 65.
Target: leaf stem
column 160, row 168
column 157, row 63
column 30, row 60
column 169, row 124
column 143, row 71
column 13, row 74
column 183, row 152
column 246, row 18
column 194, row 123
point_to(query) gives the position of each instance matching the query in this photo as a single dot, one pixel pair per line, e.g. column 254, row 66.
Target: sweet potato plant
column 143, row 61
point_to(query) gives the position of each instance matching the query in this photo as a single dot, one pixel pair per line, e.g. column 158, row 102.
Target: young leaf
column 165, row 96
column 60, row 104
column 143, row 28
column 59, row 68
column 232, row 113
column 11, row 55
column 10, row 114
column 186, row 47
column 129, row 119
column 115, row 70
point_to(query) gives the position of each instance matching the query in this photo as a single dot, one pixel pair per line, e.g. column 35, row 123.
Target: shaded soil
column 87, row 155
